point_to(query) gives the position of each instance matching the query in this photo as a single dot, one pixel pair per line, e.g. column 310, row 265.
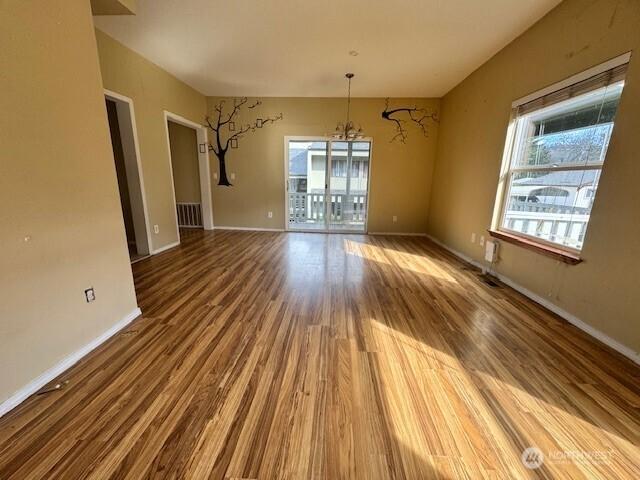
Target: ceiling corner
column 113, row 7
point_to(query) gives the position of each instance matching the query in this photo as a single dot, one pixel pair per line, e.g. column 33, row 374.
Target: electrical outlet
column 481, row 240
column 270, row 215
column 232, row 176
column 89, row 295
column 395, row 218
column 156, row 229
column 473, row 237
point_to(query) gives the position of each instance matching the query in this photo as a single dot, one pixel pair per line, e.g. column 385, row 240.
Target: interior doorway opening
column 183, row 144
column 130, row 185
column 190, row 173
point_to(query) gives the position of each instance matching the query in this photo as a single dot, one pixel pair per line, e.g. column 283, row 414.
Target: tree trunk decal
column 223, row 170
column 226, row 135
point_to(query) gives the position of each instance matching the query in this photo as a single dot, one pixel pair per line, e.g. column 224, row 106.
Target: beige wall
column 153, row 91
column 184, row 161
column 578, row 34
column 400, row 174
column 58, row 191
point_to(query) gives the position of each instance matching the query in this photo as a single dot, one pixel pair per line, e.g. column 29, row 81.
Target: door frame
column 329, row 140
column 203, row 169
column 131, row 149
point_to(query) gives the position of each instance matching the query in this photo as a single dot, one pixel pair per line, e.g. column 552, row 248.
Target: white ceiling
column 407, row 48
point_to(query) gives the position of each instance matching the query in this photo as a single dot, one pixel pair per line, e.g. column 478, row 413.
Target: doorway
column 327, row 184
column 129, row 174
column 190, row 173
column 183, row 144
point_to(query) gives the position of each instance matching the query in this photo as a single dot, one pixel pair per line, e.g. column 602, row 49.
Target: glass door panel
column 327, row 185
column 348, row 186
column 306, row 184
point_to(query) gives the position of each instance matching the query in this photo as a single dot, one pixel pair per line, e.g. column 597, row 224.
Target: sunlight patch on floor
column 419, row 417
column 395, row 344
column 560, row 432
column 408, row 261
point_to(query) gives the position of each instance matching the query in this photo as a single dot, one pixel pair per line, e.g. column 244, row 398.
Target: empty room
column 296, row 240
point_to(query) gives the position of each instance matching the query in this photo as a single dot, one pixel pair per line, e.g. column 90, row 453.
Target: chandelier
column 347, row 130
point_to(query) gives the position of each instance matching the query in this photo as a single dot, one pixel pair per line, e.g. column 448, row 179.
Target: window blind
column 601, row 80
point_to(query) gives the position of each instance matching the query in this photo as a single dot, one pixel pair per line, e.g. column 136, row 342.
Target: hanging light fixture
column 347, row 130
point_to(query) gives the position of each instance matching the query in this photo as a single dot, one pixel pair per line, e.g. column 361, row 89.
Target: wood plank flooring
column 274, row 355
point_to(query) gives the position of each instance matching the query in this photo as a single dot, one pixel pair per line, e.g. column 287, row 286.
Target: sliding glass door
column 327, row 185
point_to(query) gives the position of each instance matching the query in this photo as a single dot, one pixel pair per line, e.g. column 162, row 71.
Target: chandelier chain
column 348, row 99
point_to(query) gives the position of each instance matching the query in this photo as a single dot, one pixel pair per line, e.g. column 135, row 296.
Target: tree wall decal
column 400, row 117
column 226, row 135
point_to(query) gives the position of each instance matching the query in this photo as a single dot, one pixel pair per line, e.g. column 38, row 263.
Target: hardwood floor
column 272, row 355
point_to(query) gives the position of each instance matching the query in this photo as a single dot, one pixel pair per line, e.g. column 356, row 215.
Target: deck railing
column 341, row 208
column 564, row 228
column 555, row 223
column 546, row 208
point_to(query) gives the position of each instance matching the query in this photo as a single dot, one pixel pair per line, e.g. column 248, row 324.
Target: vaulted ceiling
column 399, row 48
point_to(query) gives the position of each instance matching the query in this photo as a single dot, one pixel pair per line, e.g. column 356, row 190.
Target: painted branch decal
column 227, row 134
column 401, row 116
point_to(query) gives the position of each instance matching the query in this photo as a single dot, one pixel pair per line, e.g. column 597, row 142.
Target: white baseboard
column 399, row 234
column 165, row 248
column 251, row 229
column 39, row 382
column 569, row 317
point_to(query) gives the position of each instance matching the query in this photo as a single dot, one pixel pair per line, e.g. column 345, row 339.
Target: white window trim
column 497, row 219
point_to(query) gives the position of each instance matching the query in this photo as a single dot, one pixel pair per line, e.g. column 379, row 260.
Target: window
column 359, row 168
column 338, row 166
column 554, row 158
column 297, row 185
column 355, row 168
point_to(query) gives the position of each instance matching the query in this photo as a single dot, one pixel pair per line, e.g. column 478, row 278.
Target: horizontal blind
column 601, row 80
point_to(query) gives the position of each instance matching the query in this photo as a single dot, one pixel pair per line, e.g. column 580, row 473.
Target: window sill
column 549, row 251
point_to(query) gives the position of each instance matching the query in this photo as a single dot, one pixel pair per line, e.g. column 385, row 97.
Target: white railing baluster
column 189, row 215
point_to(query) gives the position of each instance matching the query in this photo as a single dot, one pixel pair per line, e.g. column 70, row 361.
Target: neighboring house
column 567, row 189
column 310, row 164
column 298, row 170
